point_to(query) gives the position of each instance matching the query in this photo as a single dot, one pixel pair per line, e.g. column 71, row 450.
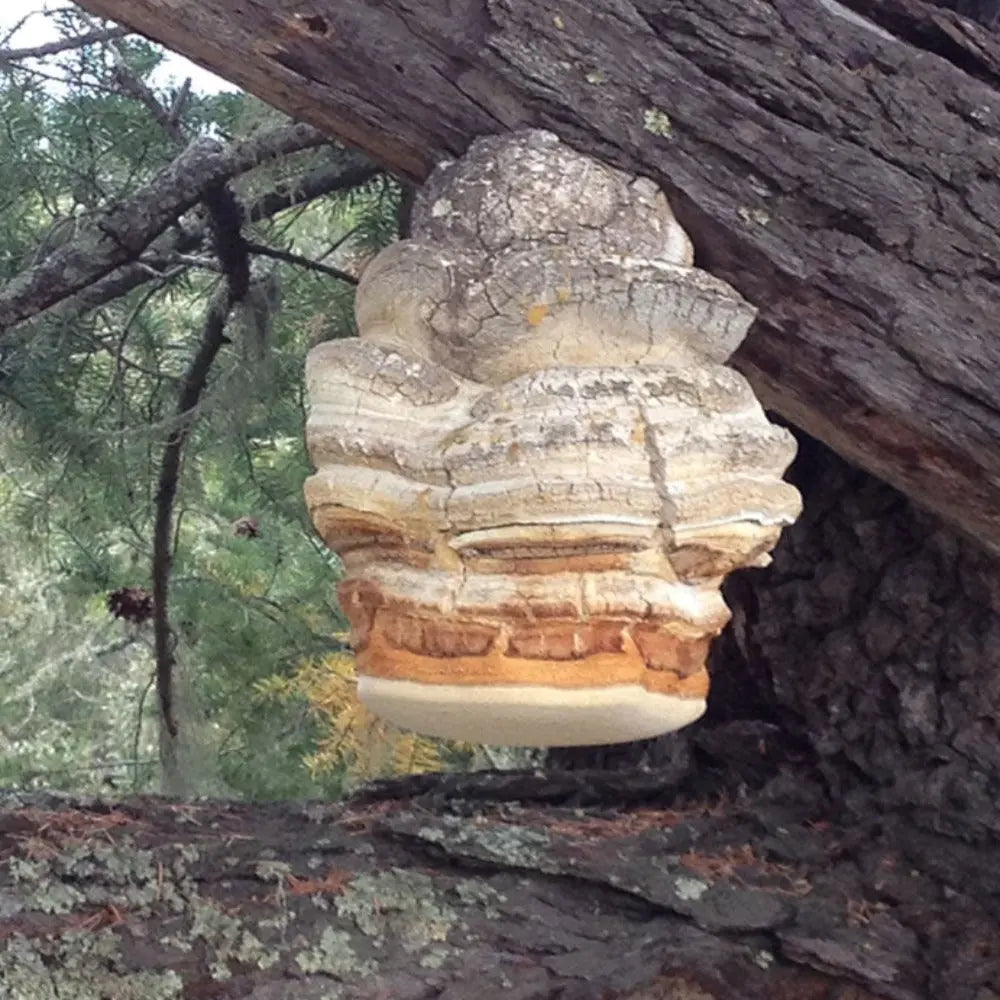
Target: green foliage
column 88, row 398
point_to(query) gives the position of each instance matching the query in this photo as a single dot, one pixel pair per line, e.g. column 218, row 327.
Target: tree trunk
column 843, row 176
column 461, row 893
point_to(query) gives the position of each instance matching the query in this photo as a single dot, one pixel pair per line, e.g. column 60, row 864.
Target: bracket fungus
column 533, row 462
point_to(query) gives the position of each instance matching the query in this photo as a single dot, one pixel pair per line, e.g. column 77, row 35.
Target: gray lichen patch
column 478, row 894
column 92, row 883
column 404, row 906
column 508, row 845
column 227, row 939
column 131, row 878
column 658, row 122
column 754, row 215
column 690, row 888
column 48, row 895
column 334, row 955
column 77, row 965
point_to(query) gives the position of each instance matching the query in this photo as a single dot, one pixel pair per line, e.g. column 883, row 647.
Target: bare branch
column 120, row 233
column 195, row 379
column 9, row 56
column 180, row 100
column 134, row 87
column 353, row 172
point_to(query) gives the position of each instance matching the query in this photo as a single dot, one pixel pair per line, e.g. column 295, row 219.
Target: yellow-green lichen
column 333, row 955
column 78, row 965
column 658, row 122
column 397, row 904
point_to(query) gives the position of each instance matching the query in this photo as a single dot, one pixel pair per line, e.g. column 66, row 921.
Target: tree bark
column 842, row 175
column 863, row 661
column 491, row 886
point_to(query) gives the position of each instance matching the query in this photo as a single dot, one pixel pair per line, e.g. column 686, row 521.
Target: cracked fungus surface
column 533, row 462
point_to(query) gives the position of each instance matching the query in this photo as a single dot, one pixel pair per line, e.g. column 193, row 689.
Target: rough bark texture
column 844, row 181
column 466, row 894
column 863, row 660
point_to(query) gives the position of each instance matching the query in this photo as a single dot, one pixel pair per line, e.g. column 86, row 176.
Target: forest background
column 151, row 434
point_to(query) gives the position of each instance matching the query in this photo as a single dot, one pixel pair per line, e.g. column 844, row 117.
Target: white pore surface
column 528, row 715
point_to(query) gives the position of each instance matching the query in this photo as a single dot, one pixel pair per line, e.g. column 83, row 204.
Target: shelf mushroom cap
column 526, row 714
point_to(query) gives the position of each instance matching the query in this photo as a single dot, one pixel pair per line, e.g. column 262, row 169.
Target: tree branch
column 300, row 261
column 9, row 56
column 324, row 179
column 161, row 254
column 226, row 222
column 195, row 379
column 132, row 86
column 123, row 231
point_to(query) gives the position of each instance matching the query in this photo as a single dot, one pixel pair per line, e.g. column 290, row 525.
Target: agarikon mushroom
column 533, row 463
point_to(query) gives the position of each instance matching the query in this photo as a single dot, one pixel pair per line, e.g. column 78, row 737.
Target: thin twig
column 299, row 261
column 9, row 56
column 195, row 379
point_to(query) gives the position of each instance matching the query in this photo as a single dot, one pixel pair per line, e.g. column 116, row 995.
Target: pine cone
column 246, row 527
column 134, row 604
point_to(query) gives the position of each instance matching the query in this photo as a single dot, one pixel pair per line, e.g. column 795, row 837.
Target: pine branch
column 120, row 233
column 162, row 253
